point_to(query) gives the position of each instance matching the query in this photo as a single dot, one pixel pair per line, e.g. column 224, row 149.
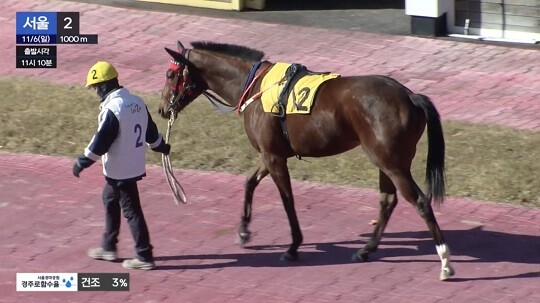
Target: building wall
column 511, row 19
column 214, row 4
column 499, row 19
column 503, row 15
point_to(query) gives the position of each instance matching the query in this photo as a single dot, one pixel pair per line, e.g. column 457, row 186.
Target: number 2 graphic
column 138, row 131
column 68, row 23
column 303, row 93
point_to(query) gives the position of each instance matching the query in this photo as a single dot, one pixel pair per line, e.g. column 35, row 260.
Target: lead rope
column 176, row 188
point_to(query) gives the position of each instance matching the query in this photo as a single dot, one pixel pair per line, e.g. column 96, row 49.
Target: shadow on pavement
column 482, row 245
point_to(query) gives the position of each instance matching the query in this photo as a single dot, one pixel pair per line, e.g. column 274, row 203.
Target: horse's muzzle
column 164, row 113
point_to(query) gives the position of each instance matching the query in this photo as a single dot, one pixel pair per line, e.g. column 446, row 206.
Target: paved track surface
column 48, row 218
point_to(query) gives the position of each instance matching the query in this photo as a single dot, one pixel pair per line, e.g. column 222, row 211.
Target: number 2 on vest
column 138, row 131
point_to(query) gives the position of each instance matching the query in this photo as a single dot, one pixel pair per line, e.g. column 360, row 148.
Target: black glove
column 81, row 163
column 77, row 169
column 163, row 148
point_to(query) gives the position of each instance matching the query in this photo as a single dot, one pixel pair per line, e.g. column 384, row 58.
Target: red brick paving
column 48, row 218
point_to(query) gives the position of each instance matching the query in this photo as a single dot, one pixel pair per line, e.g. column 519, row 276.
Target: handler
column 124, row 125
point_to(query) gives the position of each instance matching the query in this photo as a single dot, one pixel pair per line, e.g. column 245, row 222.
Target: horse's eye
column 170, row 74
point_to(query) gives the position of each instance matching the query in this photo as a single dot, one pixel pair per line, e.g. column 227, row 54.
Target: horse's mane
column 238, row 51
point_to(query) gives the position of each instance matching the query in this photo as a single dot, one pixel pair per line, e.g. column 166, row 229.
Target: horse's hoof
column 243, row 238
column 446, row 273
column 288, row 256
column 360, row 257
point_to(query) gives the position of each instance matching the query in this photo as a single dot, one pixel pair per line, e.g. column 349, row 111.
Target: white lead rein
column 176, row 188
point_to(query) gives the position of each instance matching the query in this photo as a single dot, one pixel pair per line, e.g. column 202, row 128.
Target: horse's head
column 182, row 85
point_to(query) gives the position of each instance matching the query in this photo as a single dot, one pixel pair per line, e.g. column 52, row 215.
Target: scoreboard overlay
column 38, row 33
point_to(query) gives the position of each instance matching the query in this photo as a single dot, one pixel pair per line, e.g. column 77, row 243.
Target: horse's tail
column 436, row 148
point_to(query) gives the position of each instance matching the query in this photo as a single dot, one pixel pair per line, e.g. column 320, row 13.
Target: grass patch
column 484, row 162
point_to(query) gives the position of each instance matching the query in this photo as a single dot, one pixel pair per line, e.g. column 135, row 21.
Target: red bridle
column 182, row 84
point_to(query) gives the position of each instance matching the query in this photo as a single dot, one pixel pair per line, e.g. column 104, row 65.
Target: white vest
column 126, row 157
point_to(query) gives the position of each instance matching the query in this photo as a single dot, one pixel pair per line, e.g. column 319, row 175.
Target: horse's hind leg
column 251, row 183
column 388, row 201
column 412, row 193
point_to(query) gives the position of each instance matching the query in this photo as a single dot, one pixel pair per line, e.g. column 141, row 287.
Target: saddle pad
column 300, row 100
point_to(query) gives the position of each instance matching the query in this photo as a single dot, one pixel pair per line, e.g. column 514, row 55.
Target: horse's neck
column 224, row 75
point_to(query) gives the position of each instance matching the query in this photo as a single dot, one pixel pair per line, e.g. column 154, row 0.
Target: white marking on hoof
column 446, row 273
column 446, row 268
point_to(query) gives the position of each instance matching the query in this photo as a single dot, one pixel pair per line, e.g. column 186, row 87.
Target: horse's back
column 372, row 98
column 349, row 111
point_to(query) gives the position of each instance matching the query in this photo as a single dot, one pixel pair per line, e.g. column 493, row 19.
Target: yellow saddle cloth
column 300, row 100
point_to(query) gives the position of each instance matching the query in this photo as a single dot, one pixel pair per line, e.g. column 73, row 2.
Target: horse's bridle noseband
column 182, row 83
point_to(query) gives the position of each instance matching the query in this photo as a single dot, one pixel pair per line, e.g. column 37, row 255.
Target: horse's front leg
column 251, row 183
column 280, row 174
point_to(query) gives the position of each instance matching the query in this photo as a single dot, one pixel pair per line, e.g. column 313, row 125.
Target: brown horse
column 377, row 112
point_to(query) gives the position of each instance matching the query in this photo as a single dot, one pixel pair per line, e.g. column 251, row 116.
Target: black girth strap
column 292, row 74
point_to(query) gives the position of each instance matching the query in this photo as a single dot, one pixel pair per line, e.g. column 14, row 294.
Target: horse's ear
column 180, row 46
column 176, row 56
